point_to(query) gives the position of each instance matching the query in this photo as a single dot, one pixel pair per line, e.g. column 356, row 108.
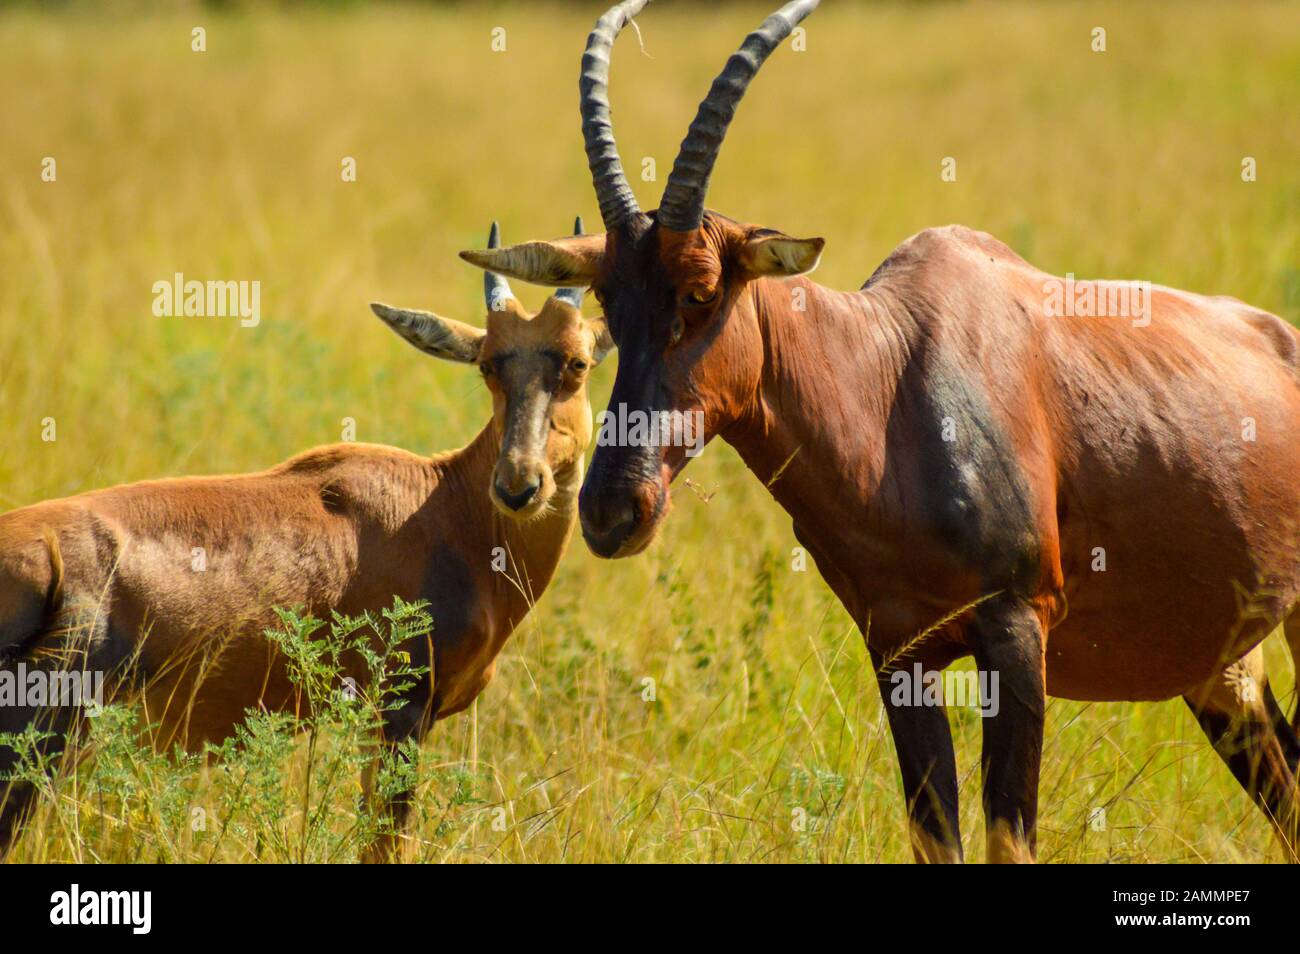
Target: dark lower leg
column 1249, row 743
column 1286, row 735
column 925, row 757
column 1007, row 639
column 389, row 803
column 24, row 760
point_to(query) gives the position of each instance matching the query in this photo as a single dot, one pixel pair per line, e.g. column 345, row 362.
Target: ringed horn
column 682, row 206
column 617, row 203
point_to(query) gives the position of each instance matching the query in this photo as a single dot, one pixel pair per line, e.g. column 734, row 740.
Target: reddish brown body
column 1068, row 435
column 343, row 528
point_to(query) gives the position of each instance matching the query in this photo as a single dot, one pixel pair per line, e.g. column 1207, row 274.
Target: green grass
column 226, row 165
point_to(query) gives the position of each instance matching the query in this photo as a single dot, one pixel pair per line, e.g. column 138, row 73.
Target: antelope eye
column 577, row 365
column 702, row 296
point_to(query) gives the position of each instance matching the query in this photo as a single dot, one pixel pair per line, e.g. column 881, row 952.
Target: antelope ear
column 433, row 334
column 604, row 343
column 768, row 252
column 574, row 260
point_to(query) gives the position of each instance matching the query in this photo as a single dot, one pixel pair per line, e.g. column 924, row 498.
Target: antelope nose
column 517, row 501
column 607, row 524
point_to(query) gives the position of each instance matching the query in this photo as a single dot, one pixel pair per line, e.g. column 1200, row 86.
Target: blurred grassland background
column 226, row 165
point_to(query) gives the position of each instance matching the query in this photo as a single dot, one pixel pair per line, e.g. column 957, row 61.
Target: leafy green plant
column 283, row 787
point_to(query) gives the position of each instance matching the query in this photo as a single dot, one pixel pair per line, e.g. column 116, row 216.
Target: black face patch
column 639, row 306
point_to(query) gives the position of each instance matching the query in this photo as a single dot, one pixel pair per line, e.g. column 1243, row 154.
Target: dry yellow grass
column 226, row 164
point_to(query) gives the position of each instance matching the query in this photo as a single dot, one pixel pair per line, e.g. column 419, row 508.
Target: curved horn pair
column 682, row 206
column 496, row 289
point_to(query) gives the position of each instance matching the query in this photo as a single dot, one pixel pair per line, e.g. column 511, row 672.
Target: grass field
column 226, row 165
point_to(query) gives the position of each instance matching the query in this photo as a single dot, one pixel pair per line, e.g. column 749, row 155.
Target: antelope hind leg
column 1237, row 712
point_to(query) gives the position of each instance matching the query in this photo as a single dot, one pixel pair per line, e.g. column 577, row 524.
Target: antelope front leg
column 1008, row 641
column 391, row 809
column 925, row 757
column 17, row 797
column 410, row 721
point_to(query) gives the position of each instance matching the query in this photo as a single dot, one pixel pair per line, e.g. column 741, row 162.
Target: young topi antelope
column 344, row 528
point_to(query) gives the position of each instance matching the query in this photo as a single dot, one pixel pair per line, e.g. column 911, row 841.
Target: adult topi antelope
column 952, row 455
column 476, row 532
